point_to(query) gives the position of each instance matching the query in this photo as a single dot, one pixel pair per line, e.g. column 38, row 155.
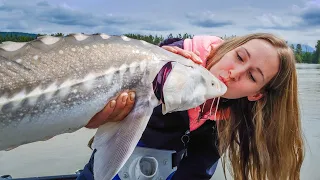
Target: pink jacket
column 203, row 45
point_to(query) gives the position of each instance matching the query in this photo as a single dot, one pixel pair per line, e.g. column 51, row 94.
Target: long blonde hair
column 263, row 139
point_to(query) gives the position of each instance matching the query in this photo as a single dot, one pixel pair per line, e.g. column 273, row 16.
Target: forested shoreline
column 302, row 56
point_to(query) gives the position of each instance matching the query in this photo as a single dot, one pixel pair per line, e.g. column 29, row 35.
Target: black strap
column 177, row 157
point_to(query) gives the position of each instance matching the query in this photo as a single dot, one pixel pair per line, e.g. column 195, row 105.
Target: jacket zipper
column 185, row 140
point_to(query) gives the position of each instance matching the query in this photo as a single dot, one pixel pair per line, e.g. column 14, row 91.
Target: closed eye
column 249, row 73
column 251, row 76
column 239, row 57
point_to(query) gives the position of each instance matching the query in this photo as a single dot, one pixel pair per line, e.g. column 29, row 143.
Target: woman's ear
column 255, row 97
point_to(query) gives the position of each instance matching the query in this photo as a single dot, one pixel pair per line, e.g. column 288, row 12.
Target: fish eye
column 212, row 83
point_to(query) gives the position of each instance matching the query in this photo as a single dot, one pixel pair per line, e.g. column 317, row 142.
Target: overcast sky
column 298, row 21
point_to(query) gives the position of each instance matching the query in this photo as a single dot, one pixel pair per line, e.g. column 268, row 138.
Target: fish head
column 189, row 85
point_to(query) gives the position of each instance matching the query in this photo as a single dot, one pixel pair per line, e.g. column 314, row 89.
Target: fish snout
column 216, row 87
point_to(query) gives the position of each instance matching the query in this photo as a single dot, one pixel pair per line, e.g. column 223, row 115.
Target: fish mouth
column 222, row 85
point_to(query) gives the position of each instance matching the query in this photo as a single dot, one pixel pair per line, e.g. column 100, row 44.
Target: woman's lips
column 223, row 80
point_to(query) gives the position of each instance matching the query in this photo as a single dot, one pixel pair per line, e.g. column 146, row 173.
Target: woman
column 257, row 126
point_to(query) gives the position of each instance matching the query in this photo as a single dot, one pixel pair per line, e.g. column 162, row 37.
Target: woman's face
column 246, row 69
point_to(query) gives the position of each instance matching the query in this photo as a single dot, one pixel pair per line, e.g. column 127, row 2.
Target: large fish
column 54, row 85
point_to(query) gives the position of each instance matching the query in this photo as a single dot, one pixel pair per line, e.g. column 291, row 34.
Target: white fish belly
column 115, row 141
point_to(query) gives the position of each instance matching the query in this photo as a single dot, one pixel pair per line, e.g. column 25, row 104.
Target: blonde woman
column 257, row 127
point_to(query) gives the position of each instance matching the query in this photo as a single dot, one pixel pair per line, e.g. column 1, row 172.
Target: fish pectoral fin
column 115, row 141
column 105, row 133
column 103, row 140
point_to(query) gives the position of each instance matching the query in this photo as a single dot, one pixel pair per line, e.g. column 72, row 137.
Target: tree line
column 300, row 55
column 307, row 57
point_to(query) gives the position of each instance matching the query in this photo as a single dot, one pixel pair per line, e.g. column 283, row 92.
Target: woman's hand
column 116, row 110
column 187, row 54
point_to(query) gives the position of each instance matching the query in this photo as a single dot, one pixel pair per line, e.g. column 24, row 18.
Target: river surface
column 67, row 153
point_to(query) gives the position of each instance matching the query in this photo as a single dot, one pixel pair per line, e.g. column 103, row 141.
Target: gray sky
column 297, row 21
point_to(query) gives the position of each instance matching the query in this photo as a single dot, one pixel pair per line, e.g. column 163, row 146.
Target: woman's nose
column 235, row 74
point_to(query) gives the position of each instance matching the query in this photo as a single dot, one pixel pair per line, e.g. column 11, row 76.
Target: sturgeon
column 54, row 85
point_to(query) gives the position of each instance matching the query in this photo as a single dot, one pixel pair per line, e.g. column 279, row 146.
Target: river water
column 67, row 153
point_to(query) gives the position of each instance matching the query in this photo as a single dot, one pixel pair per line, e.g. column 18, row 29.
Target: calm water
column 67, row 153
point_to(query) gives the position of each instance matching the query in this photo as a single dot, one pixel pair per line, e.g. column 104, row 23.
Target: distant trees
column 307, row 57
column 300, row 55
column 15, row 38
column 316, row 58
column 157, row 39
column 148, row 38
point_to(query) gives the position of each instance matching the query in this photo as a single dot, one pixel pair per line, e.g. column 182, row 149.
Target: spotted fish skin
column 44, row 80
column 54, row 85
